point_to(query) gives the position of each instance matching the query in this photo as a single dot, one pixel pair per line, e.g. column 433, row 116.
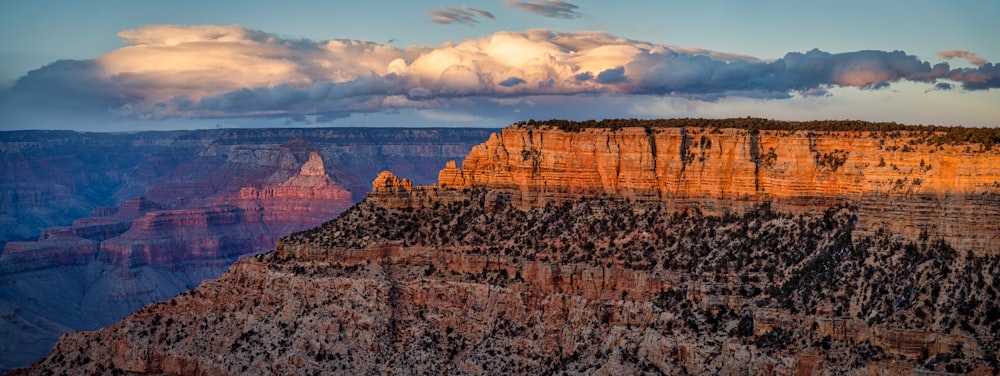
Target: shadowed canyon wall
column 94, row 226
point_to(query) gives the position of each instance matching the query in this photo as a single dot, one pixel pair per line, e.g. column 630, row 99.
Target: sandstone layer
column 902, row 183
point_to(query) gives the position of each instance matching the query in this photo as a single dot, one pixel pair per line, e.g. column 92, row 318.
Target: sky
column 120, row 65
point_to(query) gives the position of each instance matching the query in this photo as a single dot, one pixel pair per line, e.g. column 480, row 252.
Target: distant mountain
column 97, row 225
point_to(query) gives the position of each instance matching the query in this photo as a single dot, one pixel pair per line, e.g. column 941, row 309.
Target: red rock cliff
column 901, row 183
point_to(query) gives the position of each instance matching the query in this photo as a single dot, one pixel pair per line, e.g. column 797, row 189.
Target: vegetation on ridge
column 600, row 284
column 933, row 134
column 808, row 265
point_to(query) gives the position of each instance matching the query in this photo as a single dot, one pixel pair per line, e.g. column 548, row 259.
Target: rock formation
column 204, row 199
column 902, row 183
column 525, row 262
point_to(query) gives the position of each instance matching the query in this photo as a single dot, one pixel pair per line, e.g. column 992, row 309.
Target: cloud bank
column 168, row 71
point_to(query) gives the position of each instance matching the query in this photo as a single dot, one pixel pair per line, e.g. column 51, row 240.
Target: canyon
column 686, row 249
column 96, row 226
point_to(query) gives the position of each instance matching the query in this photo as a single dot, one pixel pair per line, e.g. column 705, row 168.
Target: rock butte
column 902, row 186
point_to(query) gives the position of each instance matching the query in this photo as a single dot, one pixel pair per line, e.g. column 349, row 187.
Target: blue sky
column 34, row 34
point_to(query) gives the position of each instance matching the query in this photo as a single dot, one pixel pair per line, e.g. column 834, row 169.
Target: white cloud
column 212, row 71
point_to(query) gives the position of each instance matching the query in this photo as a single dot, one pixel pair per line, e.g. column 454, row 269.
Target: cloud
column 463, row 15
column 943, row 86
column 512, row 81
column 971, row 57
column 548, row 8
column 982, row 78
column 167, row 72
column 612, row 76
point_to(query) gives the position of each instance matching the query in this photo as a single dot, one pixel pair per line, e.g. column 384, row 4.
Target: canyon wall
column 902, row 183
column 474, row 285
column 94, row 226
column 52, row 178
column 626, row 251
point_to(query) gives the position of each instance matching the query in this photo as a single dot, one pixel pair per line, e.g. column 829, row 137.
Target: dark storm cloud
column 548, row 8
column 463, row 15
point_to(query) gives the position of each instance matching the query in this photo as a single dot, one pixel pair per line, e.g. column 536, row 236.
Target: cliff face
column 593, row 286
column 731, row 255
column 901, row 183
column 204, row 199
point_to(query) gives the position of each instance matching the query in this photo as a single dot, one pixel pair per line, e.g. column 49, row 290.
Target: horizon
column 185, row 65
column 599, row 124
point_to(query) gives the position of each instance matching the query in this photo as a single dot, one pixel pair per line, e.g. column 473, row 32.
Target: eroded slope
column 477, row 285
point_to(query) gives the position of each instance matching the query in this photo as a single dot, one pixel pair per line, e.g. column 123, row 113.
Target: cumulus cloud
column 548, row 8
column 171, row 71
column 463, row 15
column 612, row 76
column 971, row 57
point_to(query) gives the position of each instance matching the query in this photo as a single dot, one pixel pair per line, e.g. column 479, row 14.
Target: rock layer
column 902, row 183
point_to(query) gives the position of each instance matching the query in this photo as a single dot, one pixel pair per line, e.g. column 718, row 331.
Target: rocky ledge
column 908, row 181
